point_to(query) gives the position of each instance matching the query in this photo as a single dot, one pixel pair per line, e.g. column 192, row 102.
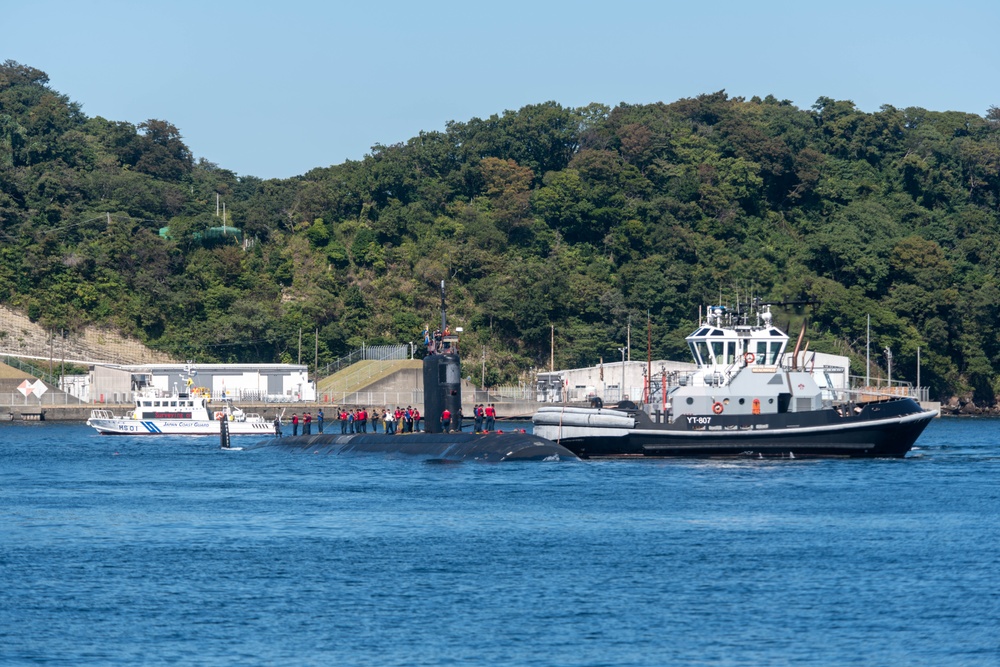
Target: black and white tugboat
column 747, row 398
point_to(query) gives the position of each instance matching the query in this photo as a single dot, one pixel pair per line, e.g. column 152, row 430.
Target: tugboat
column 747, row 398
column 184, row 412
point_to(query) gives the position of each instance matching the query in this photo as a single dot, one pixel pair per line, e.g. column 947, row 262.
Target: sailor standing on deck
column 307, row 424
column 491, row 417
column 319, row 420
column 446, row 421
column 295, row 424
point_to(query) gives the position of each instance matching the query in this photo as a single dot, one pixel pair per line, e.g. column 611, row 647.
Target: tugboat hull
column 886, row 431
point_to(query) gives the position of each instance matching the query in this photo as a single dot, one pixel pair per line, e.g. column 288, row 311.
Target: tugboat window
column 775, row 352
column 690, row 400
column 742, row 401
column 702, row 356
column 694, row 353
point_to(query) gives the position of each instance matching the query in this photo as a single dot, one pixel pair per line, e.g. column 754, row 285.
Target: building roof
column 208, row 367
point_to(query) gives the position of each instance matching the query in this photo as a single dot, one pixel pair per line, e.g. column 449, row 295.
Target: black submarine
column 441, row 441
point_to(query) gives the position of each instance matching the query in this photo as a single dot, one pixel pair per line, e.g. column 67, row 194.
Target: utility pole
column 482, row 382
column 649, row 358
column 621, row 391
column 552, row 350
column 868, row 353
column 628, row 337
column 918, row 372
column 300, row 346
column 888, row 356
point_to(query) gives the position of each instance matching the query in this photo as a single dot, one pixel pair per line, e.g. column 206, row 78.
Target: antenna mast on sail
column 444, row 320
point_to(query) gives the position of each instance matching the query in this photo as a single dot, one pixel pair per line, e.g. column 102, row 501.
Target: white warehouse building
column 255, row 383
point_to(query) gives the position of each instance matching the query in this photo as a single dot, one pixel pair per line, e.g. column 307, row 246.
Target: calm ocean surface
column 124, row 551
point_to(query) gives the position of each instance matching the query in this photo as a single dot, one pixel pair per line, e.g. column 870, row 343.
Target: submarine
column 440, row 442
column 433, row 447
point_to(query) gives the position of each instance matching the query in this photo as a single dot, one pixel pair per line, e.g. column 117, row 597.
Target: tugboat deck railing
column 721, row 376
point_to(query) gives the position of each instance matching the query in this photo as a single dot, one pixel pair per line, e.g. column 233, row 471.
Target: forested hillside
column 545, row 216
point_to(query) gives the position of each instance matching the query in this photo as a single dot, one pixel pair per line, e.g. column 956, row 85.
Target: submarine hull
column 486, row 447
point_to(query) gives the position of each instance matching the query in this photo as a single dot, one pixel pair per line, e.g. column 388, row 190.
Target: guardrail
column 16, row 400
column 31, row 369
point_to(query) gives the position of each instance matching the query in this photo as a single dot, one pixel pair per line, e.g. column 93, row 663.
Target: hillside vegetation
column 577, row 218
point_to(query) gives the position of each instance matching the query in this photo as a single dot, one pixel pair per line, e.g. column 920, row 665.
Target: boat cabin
column 181, row 406
column 720, row 345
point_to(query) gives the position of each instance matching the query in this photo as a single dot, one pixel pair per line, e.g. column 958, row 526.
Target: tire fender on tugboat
column 717, row 408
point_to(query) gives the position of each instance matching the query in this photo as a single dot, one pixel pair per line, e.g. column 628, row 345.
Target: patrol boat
column 185, row 412
column 747, row 398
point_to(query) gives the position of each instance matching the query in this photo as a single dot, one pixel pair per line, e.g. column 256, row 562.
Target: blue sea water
column 123, row 551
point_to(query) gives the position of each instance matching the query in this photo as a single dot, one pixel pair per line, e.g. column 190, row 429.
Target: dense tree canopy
column 547, row 216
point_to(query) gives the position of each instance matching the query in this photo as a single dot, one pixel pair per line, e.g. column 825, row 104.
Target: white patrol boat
column 177, row 413
column 747, row 398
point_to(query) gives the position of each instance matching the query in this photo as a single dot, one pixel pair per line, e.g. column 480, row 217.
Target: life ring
column 748, row 357
column 717, row 408
column 220, row 415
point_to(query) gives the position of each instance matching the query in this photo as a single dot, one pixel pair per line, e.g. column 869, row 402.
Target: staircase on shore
column 361, row 375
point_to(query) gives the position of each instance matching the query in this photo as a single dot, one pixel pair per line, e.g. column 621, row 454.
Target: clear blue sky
column 273, row 89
